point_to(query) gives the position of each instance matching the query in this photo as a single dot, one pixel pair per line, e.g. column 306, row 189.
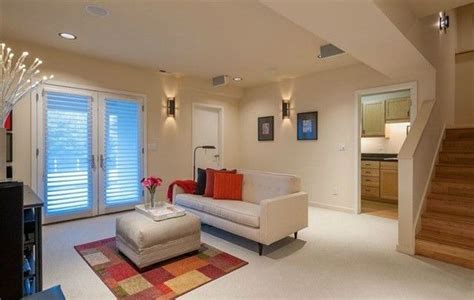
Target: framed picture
column 265, row 128
column 307, row 126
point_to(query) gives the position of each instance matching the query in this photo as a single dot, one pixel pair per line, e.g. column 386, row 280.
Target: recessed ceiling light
column 67, row 36
column 97, row 10
column 238, row 79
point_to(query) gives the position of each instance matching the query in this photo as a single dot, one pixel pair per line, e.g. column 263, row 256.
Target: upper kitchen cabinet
column 373, row 119
column 397, row 110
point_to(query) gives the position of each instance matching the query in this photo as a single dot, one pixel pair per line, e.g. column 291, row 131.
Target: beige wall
column 464, row 107
column 328, row 174
column 324, row 170
column 172, row 158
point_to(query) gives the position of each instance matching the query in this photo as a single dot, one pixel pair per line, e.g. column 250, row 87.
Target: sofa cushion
column 228, row 186
column 201, row 182
column 236, row 211
column 209, row 192
column 258, row 186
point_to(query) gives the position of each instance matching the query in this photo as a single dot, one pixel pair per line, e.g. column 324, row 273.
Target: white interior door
column 121, row 152
column 67, row 169
column 207, row 130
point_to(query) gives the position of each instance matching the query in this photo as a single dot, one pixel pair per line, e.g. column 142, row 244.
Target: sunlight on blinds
column 122, row 153
column 68, row 150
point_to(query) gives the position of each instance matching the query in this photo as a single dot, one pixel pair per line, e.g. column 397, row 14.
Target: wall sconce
column 285, row 108
column 171, row 107
column 443, row 22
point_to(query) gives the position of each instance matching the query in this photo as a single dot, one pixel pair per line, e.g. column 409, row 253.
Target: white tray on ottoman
column 162, row 212
column 146, row 242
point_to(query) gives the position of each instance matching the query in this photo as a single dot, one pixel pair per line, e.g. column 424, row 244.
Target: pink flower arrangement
column 151, row 183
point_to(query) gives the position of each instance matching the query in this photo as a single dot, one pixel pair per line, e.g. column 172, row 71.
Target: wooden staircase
column 447, row 225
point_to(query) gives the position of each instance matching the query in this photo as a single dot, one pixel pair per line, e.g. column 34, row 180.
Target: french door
column 90, row 154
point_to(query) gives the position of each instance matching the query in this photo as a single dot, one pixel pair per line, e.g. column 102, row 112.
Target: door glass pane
column 122, row 153
column 68, row 149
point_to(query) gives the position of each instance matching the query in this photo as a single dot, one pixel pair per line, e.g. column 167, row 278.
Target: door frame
column 413, row 87
column 36, row 101
column 220, row 109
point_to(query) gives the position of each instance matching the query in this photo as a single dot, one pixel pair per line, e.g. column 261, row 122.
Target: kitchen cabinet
column 370, row 179
column 379, row 181
column 397, row 110
column 389, row 181
column 373, row 119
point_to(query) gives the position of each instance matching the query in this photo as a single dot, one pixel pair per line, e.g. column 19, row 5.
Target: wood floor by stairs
column 447, row 225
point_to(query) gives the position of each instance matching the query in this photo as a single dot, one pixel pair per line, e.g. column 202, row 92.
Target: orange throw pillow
column 209, row 191
column 228, row 186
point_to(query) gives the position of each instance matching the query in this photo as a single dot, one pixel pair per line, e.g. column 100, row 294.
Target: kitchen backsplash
column 392, row 143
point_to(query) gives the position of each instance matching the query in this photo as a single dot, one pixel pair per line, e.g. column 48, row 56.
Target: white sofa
column 273, row 207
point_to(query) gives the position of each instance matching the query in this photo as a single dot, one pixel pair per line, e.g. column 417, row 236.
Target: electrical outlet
column 335, row 191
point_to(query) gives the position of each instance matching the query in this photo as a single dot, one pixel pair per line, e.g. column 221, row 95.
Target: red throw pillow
column 228, row 186
column 209, row 191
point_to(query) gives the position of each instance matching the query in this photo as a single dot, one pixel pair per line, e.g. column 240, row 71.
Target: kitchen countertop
column 379, row 156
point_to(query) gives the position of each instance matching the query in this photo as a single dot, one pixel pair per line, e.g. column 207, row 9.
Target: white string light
column 16, row 79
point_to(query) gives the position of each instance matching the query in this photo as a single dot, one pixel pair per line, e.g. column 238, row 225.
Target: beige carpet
column 339, row 256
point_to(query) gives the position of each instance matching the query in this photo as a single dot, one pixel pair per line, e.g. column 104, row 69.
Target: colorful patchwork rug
column 165, row 280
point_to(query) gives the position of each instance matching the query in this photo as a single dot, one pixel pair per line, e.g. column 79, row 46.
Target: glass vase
column 150, row 201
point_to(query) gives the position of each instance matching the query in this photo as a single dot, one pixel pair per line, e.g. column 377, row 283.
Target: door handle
column 102, row 161
column 93, row 162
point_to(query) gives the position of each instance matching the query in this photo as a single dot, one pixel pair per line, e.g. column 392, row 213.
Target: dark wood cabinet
column 21, row 241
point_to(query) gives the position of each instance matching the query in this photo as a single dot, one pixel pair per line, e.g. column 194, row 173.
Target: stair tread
column 461, row 140
column 441, row 196
column 455, row 153
column 460, row 128
column 448, row 217
column 441, row 178
column 446, row 239
column 455, row 165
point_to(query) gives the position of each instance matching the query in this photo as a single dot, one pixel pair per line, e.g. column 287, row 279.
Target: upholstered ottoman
column 146, row 242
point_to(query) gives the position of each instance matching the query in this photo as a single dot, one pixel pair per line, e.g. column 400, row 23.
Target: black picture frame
column 265, row 130
column 307, row 126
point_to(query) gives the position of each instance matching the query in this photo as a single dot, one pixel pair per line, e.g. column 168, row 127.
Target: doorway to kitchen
column 384, row 119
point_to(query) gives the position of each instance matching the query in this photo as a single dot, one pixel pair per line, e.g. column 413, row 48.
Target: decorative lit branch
column 16, row 81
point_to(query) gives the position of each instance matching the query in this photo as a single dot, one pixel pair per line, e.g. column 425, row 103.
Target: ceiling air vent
column 220, row 80
column 329, row 50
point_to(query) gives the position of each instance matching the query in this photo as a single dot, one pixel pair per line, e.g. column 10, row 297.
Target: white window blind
column 121, row 162
column 67, row 150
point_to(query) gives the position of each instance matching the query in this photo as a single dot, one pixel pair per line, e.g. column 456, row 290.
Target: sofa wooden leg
column 260, row 249
column 296, row 235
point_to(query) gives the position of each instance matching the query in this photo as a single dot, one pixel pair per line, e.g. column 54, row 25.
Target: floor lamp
column 194, row 159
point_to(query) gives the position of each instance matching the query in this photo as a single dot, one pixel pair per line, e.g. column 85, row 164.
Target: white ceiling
column 196, row 38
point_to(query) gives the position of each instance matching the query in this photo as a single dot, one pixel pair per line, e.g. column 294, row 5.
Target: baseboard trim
column 405, row 249
column 332, row 207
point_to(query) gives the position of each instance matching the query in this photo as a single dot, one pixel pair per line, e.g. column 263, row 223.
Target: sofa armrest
column 176, row 191
column 282, row 216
